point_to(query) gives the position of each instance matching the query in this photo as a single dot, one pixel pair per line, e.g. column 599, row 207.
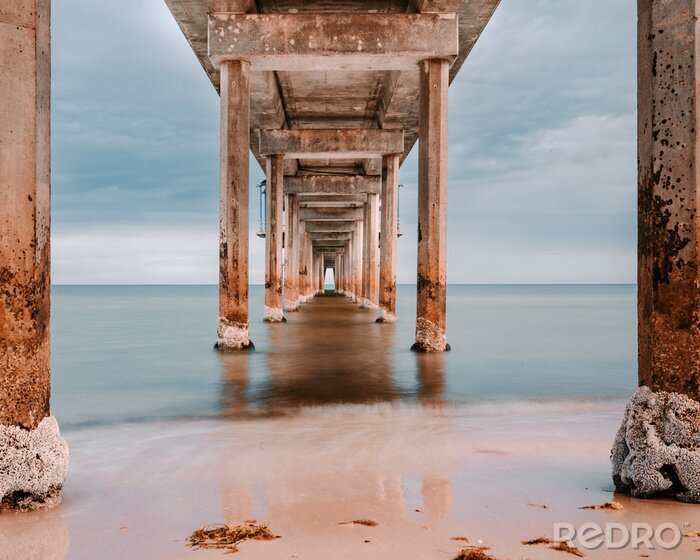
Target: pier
column 331, row 97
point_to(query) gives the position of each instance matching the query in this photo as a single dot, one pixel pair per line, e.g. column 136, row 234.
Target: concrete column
column 358, row 245
column 303, row 262
column 273, row 239
column 291, row 251
column 321, row 272
column 655, row 451
column 233, row 332
column 389, row 236
column 33, row 456
column 336, row 273
column 371, row 253
column 432, row 207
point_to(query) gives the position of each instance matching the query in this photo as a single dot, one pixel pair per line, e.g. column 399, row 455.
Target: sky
column 542, row 154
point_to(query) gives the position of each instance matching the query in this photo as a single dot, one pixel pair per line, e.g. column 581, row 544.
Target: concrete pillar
column 358, row 249
column 33, row 456
column 291, row 251
column 233, row 332
column 302, row 261
column 655, row 451
column 389, row 236
column 321, row 273
column 432, row 207
column 273, row 239
column 370, row 267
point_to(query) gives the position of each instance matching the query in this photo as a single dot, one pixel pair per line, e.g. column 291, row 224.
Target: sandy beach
column 425, row 474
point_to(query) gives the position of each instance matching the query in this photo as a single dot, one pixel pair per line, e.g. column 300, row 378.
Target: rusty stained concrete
column 233, row 330
column 25, row 73
column 273, row 240
column 668, row 221
column 33, row 455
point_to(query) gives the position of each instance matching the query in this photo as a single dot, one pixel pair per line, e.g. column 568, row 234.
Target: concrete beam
column 340, row 226
column 435, row 6
column 330, row 214
column 331, row 143
column 332, row 41
column 332, row 184
column 330, row 236
column 330, row 204
column 230, row 6
column 331, row 199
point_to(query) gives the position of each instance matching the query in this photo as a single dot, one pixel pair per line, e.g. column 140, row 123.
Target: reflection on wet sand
column 330, row 352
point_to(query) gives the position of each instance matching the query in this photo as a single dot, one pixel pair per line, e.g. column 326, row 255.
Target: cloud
column 542, row 149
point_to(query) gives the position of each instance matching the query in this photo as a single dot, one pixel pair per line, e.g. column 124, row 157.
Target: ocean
column 125, row 354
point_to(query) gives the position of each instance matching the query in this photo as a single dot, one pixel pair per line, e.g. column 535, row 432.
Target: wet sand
column 425, row 474
column 327, row 440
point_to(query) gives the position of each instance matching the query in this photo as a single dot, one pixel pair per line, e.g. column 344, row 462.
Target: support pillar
column 432, row 208
column 33, row 456
column 273, row 239
column 302, row 261
column 389, row 236
column 291, row 251
column 655, row 452
column 233, row 331
column 370, row 278
column 357, row 262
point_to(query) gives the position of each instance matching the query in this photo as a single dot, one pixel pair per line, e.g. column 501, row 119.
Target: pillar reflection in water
column 329, row 353
column 431, row 378
column 235, row 377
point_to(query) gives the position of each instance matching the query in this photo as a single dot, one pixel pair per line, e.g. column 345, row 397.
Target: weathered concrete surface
column 657, row 449
column 291, row 252
column 273, row 239
column 330, row 143
column 324, row 226
column 333, row 98
column 389, row 233
column 330, row 214
column 370, row 270
column 669, row 298
column 347, row 41
column 333, row 184
column 33, row 456
column 432, row 209
column 24, row 214
column 233, row 332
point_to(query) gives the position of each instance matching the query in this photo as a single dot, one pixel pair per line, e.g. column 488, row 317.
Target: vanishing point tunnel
column 331, row 96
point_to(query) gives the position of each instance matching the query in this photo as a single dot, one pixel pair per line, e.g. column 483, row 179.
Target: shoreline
column 140, row 490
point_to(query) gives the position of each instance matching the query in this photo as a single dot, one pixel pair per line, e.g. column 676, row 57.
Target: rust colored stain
column 669, row 296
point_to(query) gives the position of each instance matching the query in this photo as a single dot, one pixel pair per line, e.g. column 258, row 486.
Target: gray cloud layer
column 542, row 149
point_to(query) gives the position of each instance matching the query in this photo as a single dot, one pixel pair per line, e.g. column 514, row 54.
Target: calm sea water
column 141, row 353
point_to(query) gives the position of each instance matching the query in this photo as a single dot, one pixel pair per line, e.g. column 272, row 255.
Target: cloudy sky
column 542, row 150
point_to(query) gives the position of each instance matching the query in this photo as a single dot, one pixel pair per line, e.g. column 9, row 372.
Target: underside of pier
column 330, row 97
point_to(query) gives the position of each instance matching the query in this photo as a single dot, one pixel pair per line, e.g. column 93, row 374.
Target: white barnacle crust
column 656, row 451
column 429, row 337
column 385, row 316
column 273, row 314
column 232, row 336
column 291, row 304
column 33, row 465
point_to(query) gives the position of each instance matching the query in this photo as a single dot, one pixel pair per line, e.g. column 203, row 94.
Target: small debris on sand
column 366, row 541
column 465, row 539
column 474, row 554
column 364, row 522
column 692, row 534
column 562, row 546
column 123, row 528
column 607, row 505
column 543, row 506
column 228, row 537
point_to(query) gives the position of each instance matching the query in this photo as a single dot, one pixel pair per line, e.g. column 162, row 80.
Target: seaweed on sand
column 364, row 522
column 562, row 546
column 228, row 537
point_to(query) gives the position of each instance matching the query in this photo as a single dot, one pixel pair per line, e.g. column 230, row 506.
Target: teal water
column 142, row 353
